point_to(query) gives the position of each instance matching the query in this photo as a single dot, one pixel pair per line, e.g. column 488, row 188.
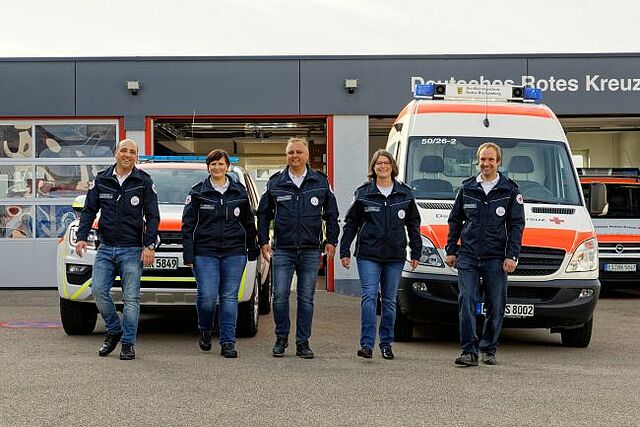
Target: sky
column 90, row 28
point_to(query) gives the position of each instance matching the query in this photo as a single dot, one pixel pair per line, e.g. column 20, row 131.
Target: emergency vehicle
column 434, row 139
column 168, row 282
column 618, row 228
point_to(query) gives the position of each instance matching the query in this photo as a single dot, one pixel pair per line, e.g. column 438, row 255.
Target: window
column 44, row 165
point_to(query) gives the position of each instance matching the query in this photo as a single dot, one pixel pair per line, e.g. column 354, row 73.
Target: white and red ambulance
column 434, row 140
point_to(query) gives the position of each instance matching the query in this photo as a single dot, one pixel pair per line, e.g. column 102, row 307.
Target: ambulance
column 617, row 229
column 434, row 140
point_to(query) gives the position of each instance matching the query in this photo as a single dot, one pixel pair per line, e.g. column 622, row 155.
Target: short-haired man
column 297, row 199
column 488, row 218
column 128, row 227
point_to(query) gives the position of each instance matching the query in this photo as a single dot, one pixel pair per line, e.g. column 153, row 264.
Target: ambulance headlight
column 585, row 258
column 429, row 256
column 92, row 238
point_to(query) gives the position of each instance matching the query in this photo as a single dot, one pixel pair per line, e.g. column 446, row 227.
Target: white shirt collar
column 492, row 182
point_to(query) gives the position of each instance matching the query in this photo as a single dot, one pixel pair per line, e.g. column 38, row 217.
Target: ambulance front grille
column 536, row 261
column 431, row 205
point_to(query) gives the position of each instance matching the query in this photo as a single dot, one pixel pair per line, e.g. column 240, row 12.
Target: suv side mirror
column 598, row 199
column 78, row 203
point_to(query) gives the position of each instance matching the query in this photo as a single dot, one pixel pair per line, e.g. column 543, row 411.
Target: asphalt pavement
column 50, row 379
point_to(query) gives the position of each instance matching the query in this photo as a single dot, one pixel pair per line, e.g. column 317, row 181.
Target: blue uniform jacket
column 215, row 224
column 298, row 212
column 380, row 224
column 129, row 213
column 489, row 226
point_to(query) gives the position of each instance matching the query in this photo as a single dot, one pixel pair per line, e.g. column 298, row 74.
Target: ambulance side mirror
column 78, row 203
column 598, row 199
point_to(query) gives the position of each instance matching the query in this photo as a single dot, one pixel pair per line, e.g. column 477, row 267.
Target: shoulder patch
column 92, row 184
column 520, row 199
column 187, row 200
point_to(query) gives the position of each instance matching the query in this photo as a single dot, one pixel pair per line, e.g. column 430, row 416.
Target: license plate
column 510, row 310
column 620, row 267
column 164, row 264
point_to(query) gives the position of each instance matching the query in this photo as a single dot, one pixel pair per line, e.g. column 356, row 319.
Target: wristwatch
column 151, row 247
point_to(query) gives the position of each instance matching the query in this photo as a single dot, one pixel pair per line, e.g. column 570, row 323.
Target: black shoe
column 489, row 359
column 205, row 340
column 127, row 352
column 227, row 349
column 365, row 352
column 279, row 346
column 303, row 350
column 467, row 359
column 110, row 344
column 387, row 353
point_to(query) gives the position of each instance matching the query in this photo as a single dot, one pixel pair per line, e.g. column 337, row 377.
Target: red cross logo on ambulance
column 556, row 220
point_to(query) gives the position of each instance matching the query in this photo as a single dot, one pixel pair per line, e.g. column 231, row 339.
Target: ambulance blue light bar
column 424, row 91
column 182, row 159
column 532, row 94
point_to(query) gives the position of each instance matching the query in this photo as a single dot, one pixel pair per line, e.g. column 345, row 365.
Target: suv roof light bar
column 182, row 159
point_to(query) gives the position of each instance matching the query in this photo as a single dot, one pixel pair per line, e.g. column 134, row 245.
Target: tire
column 579, row 337
column 78, row 318
column 247, row 322
column 266, row 295
column 403, row 329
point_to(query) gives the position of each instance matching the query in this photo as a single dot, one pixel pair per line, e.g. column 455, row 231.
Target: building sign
column 586, row 83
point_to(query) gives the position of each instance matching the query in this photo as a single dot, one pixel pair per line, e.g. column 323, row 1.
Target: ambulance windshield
column 437, row 165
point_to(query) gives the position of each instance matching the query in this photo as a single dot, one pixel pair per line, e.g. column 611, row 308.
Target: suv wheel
column 578, row 337
column 78, row 318
column 247, row 323
column 403, row 329
column 266, row 295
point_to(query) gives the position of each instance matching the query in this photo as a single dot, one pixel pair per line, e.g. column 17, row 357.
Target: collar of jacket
column 206, row 186
column 135, row 173
column 372, row 188
column 284, row 177
column 472, row 184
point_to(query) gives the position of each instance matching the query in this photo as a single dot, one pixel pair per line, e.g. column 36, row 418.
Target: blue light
column 425, row 90
column 533, row 94
column 179, row 159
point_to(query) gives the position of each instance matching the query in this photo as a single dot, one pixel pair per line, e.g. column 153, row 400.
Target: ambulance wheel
column 578, row 337
column 78, row 318
column 403, row 329
column 266, row 295
column 247, row 323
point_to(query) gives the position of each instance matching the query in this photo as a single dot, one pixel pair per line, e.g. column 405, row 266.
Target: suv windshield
column 623, row 200
column 437, row 165
column 173, row 185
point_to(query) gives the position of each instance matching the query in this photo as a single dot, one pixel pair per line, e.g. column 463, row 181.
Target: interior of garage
column 596, row 142
column 258, row 145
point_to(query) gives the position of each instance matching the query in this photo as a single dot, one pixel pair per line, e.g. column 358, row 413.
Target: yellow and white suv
column 169, row 282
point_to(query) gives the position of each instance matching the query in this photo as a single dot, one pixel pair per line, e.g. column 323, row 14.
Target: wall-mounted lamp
column 133, row 86
column 351, row 85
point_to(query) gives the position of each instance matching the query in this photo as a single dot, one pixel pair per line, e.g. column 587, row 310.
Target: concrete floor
column 50, row 379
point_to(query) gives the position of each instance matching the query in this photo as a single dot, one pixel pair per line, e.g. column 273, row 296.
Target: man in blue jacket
column 298, row 199
column 488, row 218
column 128, row 227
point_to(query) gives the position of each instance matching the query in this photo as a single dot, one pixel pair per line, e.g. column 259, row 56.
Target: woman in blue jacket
column 382, row 210
column 218, row 235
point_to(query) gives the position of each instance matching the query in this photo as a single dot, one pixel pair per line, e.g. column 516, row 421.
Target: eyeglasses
column 383, row 163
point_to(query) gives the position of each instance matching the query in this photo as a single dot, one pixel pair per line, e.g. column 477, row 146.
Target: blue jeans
column 373, row 276
column 111, row 261
column 305, row 262
column 495, row 298
column 219, row 277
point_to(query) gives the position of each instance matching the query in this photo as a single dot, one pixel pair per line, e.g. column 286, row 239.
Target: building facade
column 61, row 118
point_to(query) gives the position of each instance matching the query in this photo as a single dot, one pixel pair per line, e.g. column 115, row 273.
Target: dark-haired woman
column 382, row 209
column 218, row 235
